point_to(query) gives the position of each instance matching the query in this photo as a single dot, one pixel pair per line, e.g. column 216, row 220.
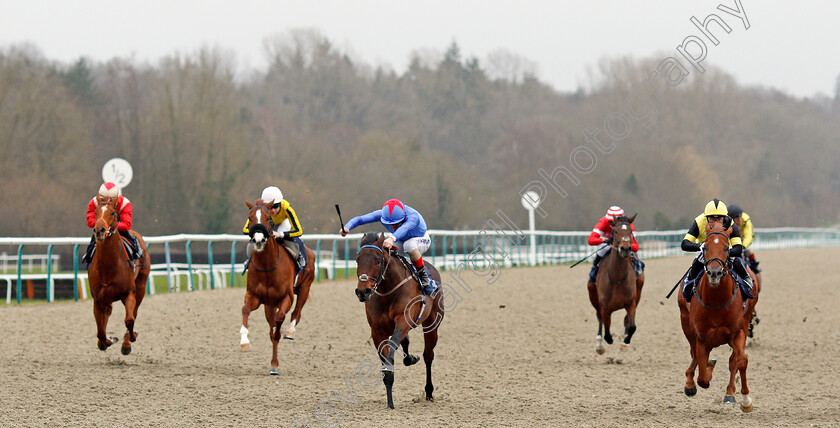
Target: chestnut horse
column 717, row 316
column 113, row 276
column 617, row 285
column 271, row 281
column 394, row 305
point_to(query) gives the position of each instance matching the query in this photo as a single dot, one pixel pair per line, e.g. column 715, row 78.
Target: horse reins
column 383, row 268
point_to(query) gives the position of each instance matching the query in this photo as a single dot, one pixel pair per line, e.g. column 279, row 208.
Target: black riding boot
column 135, row 244
column 88, row 256
column 690, row 279
column 593, row 273
column 425, row 282
column 741, row 270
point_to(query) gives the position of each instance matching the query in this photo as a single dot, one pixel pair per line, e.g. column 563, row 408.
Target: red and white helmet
column 614, row 212
column 109, row 190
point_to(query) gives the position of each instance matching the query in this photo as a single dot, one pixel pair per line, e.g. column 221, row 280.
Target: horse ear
column 630, row 220
column 249, row 204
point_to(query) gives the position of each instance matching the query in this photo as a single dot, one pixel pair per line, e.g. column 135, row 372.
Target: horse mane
column 370, row 238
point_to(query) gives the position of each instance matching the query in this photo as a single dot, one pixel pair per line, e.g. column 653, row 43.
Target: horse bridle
column 726, row 263
column 267, row 232
column 116, row 214
column 726, row 266
column 383, row 268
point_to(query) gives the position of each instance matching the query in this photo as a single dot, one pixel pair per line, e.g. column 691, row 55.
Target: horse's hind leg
column 593, row 299
column 130, row 303
column 629, row 326
column 640, row 283
column 408, row 359
column 430, row 338
column 101, row 314
column 302, row 291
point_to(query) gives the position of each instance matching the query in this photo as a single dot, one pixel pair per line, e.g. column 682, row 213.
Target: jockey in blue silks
column 408, row 235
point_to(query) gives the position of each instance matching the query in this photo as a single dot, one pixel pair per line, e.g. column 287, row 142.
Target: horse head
column 622, row 235
column 107, row 218
column 716, row 252
column 260, row 224
column 371, row 264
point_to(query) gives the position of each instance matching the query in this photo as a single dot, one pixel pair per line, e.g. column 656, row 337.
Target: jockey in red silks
column 111, row 193
column 602, row 234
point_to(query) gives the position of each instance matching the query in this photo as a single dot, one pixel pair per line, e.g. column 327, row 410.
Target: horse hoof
column 691, row 391
column 712, row 363
column 390, row 407
column 245, row 347
column 728, row 399
column 101, row 348
column 625, row 347
column 411, row 360
column 274, row 371
column 609, row 339
column 746, row 404
column 126, row 351
column 288, row 335
column 599, row 345
column 430, row 398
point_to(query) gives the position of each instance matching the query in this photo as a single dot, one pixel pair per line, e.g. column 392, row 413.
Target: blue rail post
column 334, row 254
column 346, row 260
column 232, row 262
column 168, row 266
column 19, row 267
column 189, row 264
column 50, row 290
column 76, row 272
column 210, row 262
column 318, row 260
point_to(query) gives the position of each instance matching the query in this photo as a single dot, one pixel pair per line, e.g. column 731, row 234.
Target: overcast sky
column 791, row 46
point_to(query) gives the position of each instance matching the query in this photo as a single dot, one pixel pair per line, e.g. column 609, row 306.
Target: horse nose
column 363, row 295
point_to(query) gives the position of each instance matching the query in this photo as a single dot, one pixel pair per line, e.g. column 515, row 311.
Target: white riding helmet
column 109, row 190
column 614, row 212
column 272, row 193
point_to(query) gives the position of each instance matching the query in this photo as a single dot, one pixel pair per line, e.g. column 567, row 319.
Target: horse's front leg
column 270, row 312
column 387, row 350
column 101, row 314
column 629, row 326
column 130, row 304
column 706, row 366
column 280, row 315
column 251, row 303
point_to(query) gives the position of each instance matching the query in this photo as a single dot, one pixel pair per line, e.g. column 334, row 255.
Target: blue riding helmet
column 393, row 212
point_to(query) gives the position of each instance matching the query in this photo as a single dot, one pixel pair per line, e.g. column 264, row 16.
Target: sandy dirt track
column 519, row 352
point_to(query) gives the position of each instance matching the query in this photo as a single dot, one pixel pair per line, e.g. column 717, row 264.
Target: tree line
column 457, row 138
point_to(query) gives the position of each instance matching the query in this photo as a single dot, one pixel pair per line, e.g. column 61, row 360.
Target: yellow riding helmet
column 715, row 207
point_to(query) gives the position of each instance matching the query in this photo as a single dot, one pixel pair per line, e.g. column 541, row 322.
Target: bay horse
column 717, row 316
column 394, row 306
column 112, row 276
column 617, row 285
column 271, row 281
